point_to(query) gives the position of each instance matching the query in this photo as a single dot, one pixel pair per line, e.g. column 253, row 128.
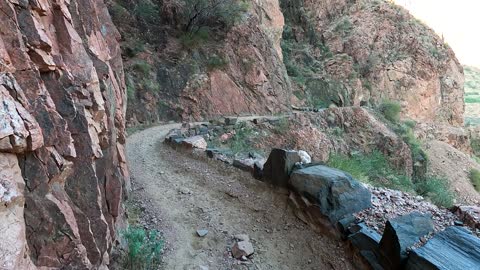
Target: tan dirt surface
column 182, row 193
column 454, row 165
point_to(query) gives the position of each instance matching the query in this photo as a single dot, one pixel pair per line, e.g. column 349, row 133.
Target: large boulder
column 335, row 192
column 453, row 249
column 402, row 233
column 279, row 166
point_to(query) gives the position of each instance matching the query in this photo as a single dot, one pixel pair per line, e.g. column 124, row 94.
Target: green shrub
column 241, row 142
column 200, row 13
column 475, row 144
column 191, row 40
column 216, row 62
column 147, row 12
column 130, row 87
column 475, row 179
column 133, row 48
column 344, row 26
column 390, row 110
column 142, row 66
column 144, row 248
column 437, row 190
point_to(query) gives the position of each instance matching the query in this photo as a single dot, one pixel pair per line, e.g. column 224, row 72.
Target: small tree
column 200, row 13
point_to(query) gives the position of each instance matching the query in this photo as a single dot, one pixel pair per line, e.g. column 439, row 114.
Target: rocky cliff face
column 360, row 52
column 173, row 74
column 62, row 164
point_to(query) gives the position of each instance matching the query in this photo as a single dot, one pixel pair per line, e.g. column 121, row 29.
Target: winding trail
column 182, row 193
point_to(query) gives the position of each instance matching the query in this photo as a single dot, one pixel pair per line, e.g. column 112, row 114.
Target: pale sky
column 457, row 20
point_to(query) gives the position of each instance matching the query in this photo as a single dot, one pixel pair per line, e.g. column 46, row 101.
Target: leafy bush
column 144, row 248
column 390, row 110
column 475, row 178
column 437, row 190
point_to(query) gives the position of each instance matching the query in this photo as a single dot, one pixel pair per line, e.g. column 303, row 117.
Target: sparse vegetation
column 390, row 110
column 216, row 62
column 437, row 190
column 282, row 126
column 142, row 67
column 208, row 13
column 371, row 168
column 375, row 169
column 343, row 27
column 144, row 248
column 475, row 178
column 191, row 40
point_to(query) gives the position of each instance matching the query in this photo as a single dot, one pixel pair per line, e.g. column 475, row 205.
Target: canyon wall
column 363, row 52
column 62, row 105
column 173, row 74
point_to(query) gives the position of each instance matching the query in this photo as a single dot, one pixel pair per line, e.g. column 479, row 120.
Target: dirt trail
column 182, row 193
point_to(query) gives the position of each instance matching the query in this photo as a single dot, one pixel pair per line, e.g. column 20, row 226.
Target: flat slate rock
column 367, row 242
column 335, row 192
column 400, row 234
column 453, row 249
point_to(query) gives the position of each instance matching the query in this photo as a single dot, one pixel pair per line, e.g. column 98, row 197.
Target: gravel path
column 182, row 193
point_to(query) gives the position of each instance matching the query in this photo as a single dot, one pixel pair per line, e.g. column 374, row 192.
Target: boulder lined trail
column 180, row 194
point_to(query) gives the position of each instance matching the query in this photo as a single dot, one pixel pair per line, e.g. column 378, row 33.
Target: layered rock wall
column 356, row 52
column 62, row 104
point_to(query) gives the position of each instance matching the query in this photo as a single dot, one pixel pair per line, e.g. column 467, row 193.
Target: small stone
column 243, row 258
column 458, row 223
column 202, row 232
column 242, row 248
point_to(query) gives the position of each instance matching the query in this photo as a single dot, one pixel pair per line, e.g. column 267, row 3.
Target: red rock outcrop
column 234, row 71
column 62, row 165
column 370, row 51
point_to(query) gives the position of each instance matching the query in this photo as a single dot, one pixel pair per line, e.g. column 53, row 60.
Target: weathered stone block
column 279, row 166
column 401, row 233
column 335, row 192
column 453, row 249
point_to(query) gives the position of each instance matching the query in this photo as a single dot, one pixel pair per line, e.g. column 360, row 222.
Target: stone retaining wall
column 328, row 199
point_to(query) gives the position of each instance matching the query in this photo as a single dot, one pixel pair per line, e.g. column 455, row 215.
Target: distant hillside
column 472, row 95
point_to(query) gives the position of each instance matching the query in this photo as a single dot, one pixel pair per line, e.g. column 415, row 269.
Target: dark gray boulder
column 401, row 233
column 335, row 192
column 279, row 166
column 453, row 249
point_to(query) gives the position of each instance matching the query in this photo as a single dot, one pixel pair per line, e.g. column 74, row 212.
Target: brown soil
column 454, row 165
column 182, row 193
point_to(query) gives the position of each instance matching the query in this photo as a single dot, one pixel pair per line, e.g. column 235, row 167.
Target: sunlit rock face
column 62, row 104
